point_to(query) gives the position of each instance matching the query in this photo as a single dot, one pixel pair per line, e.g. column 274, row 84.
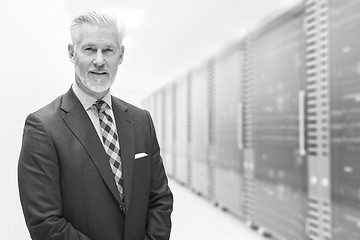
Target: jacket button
column 122, row 208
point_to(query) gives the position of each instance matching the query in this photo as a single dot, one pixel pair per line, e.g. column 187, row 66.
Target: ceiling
column 165, row 38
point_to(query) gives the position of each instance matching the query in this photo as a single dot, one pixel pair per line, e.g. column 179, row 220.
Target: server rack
column 181, row 125
column 294, row 185
column 227, row 152
column 344, row 118
column 200, row 167
column 280, row 167
column 168, row 145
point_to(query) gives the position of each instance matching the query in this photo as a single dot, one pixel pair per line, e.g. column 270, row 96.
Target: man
column 90, row 164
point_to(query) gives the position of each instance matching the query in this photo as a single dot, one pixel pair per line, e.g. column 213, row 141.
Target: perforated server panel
column 280, row 169
column 345, row 118
column 210, row 131
column 228, row 155
column 317, row 118
column 246, row 130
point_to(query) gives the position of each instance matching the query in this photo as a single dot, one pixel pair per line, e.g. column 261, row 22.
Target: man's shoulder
column 128, row 106
column 50, row 110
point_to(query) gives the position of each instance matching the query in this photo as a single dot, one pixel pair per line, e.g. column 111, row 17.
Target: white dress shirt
column 87, row 102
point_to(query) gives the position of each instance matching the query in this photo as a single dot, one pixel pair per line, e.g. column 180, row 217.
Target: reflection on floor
column 195, row 218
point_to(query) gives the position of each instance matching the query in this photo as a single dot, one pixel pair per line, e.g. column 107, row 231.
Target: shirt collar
column 86, row 100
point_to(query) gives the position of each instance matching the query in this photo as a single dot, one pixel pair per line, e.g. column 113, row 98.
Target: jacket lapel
column 79, row 123
column 125, row 129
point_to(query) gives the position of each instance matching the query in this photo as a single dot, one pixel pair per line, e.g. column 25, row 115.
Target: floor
column 195, row 218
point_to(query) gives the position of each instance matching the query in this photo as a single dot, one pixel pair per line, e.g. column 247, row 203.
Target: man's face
column 97, row 56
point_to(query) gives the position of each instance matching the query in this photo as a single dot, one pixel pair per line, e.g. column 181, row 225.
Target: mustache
column 99, row 71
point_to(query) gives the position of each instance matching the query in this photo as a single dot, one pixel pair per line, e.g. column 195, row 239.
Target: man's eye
column 89, row 49
column 108, row 50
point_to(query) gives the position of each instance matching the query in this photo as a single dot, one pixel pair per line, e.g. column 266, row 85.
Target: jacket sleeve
column 39, row 185
column 161, row 199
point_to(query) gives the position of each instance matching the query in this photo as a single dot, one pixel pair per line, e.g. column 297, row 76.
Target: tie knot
column 100, row 105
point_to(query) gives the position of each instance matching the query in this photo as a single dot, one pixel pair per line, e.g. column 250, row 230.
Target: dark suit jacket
column 67, row 189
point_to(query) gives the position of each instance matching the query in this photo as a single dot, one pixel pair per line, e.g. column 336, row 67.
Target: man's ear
column 71, row 52
column 121, row 58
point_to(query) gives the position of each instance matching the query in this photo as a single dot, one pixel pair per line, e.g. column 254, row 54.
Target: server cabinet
column 280, row 169
column 345, row 118
column 228, row 155
column 200, row 167
column 168, row 142
column 181, row 125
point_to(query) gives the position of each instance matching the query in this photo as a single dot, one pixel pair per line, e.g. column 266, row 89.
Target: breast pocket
column 142, row 162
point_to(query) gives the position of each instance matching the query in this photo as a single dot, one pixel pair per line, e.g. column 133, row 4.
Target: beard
column 97, row 84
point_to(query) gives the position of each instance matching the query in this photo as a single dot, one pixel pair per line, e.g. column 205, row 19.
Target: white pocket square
column 140, row 155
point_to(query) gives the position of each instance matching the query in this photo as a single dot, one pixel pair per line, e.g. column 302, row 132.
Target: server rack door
column 180, row 127
column 279, row 169
column 345, row 118
column 228, row 160
column 198, row 149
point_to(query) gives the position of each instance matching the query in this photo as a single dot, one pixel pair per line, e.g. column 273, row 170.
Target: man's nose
column 99, row 60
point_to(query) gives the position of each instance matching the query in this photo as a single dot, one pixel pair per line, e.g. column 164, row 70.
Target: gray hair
column 96, row 17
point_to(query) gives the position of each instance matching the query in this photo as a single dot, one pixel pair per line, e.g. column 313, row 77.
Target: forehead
column 97, row 34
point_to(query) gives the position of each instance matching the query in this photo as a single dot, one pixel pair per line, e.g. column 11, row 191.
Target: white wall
column 34, row 70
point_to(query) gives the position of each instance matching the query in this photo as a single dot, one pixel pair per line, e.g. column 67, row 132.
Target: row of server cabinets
column 270, row 127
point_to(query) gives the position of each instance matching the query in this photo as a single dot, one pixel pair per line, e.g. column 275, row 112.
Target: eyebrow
column 94, row 45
